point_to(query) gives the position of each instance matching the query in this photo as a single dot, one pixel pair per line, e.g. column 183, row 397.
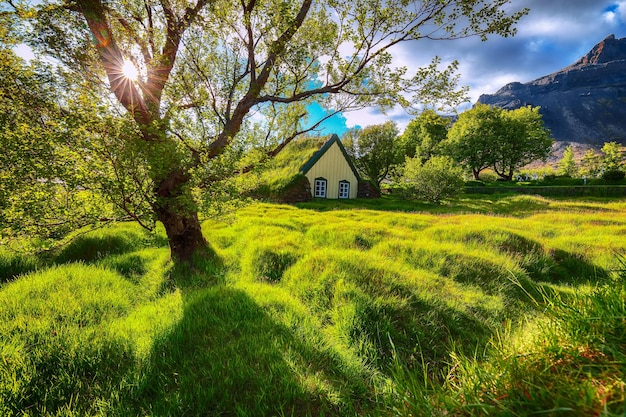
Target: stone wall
column 299, row 192
column 367, row 190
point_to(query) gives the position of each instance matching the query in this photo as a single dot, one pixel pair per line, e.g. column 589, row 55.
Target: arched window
column 319, row 188
column 344, row 189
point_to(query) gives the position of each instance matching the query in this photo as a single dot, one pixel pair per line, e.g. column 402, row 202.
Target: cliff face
column 584, row 102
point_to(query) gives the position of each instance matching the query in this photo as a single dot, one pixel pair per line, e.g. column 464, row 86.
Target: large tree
column 504, row 140
column 375, row 150
column 424, row 134
column 472, row 138
column 524, row 139
column 212, row 74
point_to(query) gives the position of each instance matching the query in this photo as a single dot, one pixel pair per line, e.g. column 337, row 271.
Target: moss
column 283, row 172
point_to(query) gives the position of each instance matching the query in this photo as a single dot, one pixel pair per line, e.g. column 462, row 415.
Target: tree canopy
column 472, row 137
column 216, row 79
column 424, row 134
column 504, row 140
column 375, row 149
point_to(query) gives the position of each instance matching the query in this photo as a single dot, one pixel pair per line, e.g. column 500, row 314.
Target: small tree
column 434, row 180
column 590, row 164
column 613, row 160
column 567, row 164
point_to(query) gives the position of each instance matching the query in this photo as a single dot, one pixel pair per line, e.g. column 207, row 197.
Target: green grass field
column 484, row 306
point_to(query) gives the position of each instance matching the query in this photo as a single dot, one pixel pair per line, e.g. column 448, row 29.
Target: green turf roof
column 296, row 159
column 285, row 167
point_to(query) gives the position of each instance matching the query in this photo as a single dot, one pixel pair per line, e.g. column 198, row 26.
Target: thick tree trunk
column 184, row 234
column 176, row 210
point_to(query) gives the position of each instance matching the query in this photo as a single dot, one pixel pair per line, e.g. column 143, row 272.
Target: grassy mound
column 329, row 312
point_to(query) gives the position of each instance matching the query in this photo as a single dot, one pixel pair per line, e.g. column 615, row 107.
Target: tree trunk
column 176, row 210
column 183, row 233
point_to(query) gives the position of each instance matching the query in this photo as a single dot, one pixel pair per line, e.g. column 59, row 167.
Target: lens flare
column 130, row 71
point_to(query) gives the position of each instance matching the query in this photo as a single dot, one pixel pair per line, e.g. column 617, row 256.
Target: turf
column 497, row 305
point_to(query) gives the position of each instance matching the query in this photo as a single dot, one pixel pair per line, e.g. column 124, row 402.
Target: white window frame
column 344, row 189
column 320, row 187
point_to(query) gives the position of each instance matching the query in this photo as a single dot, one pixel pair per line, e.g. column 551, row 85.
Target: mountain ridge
column 584, row 102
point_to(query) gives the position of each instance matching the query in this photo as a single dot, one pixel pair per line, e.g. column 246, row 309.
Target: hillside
column 583, row 103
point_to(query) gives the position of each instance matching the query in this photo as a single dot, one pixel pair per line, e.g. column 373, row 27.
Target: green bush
column 613, row 175
column 436, row 179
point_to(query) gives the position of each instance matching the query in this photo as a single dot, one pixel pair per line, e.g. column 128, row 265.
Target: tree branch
column 255, row 88
column 112, row 59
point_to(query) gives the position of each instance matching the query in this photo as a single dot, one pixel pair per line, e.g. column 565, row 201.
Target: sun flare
column 130, row 71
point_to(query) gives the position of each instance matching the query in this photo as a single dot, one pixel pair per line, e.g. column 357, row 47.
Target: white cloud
column 621, row 10
column 610, row 17
column 372, row 116
column 24, row 51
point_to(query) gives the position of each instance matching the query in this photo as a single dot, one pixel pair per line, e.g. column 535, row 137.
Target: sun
column 130, row 71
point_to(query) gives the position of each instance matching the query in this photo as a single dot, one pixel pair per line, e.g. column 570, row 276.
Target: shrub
column 436, row 179
column 613, row 175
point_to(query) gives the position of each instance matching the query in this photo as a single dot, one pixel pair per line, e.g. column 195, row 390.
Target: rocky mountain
column 583, row 103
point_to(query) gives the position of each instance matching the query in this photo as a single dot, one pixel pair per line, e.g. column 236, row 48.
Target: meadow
column 484, row 306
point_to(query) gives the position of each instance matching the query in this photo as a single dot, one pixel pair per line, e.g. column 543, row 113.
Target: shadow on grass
column 419, row 330
column 91, row 247
column 562, row 267
column 13, row 264
column 228, row 357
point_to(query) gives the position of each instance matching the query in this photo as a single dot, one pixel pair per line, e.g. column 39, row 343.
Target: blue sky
column 554, row 35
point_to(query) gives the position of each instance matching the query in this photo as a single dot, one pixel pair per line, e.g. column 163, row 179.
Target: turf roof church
column 314, row 167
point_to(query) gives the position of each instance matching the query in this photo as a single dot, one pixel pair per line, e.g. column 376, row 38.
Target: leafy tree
column 424, row 134
column 438, row 178
column 524, row 139
column 613, row 159
column 505, row 140
column 472, row 138
column 590, row 163
column 567, row 164
column 33, row 132
column 375, row 150
column 181, row 121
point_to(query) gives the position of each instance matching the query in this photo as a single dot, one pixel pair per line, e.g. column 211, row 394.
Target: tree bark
column 175, row 209
column 184, row 234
